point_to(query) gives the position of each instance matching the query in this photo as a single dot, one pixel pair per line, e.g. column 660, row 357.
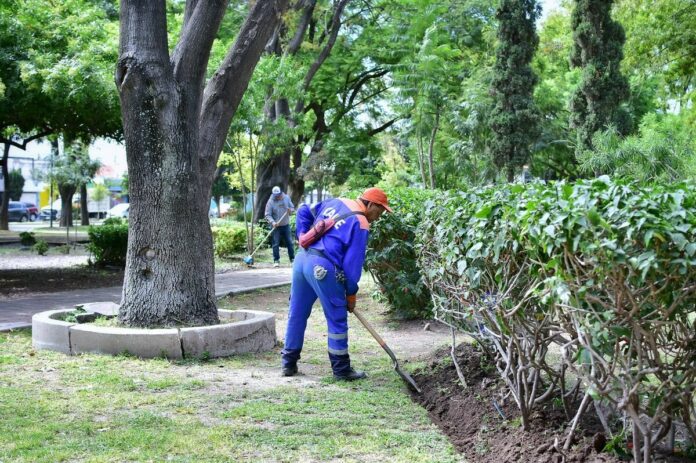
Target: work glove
column 275, row 224
column 350, row 302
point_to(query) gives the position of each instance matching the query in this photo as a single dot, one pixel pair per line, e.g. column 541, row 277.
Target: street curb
column 251, row 289
column 7, row 327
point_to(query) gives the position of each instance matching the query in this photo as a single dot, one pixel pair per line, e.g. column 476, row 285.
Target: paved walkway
column 16, row 313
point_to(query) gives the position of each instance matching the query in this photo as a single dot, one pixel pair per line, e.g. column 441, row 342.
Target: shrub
column 228, row 241
column 605, row 270
column 113, row 221
column 108, row 243
column 27, row 239
column 41, row 247
column 391, row 254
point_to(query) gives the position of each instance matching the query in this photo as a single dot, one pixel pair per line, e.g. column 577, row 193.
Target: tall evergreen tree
column 598, row 50
column 514, row 119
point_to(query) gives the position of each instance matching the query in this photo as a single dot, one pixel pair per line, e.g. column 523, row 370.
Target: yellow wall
column 44, row 200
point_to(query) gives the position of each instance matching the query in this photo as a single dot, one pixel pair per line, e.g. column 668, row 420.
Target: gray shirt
column 275, row 208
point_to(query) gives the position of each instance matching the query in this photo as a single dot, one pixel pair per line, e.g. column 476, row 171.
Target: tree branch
column 190, row 57
column 382, row 127
column 358, row 86
column 188, row 11
column 227, row 86
column 314, row 68
column 297, row 39
column 25, row 141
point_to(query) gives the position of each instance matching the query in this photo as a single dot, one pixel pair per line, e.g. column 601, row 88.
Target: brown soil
column 20, row 282
column 468, row 416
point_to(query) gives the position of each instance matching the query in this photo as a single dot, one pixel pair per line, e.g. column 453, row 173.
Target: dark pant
column 284, row 232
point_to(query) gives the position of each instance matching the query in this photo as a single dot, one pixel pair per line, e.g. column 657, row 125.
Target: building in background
column 35, row 163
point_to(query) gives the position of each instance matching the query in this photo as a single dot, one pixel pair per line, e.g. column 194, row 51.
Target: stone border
column 246, row 331
column 6, row 327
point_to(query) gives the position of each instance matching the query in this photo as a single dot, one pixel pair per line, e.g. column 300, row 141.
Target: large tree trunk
column 84, row 212
column 174, row 130
column 66, row 196
column 4, row 208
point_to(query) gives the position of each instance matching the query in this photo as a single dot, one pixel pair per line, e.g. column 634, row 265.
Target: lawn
column 94, row 408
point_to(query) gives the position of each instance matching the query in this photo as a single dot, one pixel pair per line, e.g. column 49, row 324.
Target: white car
column 119, row 210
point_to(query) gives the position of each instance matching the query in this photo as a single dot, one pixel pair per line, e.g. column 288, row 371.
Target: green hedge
column 391, row 255
column 108, row 242
column 228, row 241
column 603, row 270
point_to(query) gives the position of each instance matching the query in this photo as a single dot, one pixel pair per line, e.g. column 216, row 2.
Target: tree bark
column 66, row 192
column 174, row 131
column 421, row 161
column 4, row 208
column 84, row 212
column 296, row 183
column 431, row 164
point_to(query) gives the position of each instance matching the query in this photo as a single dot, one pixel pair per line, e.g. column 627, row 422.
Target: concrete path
column 16, row 313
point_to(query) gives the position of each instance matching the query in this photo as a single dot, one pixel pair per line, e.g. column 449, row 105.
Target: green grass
column 94, row 408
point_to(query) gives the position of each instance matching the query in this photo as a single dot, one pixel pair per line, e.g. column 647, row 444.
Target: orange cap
column 377, row 196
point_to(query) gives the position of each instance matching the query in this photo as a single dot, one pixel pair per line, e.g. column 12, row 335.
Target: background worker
column 330, row 269
column 278, row 210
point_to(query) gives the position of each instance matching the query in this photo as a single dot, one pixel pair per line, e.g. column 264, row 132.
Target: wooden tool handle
column 374, row 334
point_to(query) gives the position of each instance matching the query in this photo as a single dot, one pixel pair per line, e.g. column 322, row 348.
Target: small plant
column 41, row 247
column 27, row 239
column 71, row 317
column 64, row 249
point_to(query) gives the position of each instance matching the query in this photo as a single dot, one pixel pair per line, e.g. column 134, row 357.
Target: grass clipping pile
column 477, row 429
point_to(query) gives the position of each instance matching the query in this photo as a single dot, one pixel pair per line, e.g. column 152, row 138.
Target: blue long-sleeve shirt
column 345, row 244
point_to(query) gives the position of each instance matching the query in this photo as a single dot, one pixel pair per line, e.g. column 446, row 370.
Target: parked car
column 33, row 211
column 47, row 212
column 17, row 212
column 119, row 210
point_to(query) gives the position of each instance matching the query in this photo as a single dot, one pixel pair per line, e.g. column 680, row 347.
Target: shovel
column 404, row 375
column 249, row 260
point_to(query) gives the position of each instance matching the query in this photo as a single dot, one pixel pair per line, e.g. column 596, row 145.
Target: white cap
column 276, row 190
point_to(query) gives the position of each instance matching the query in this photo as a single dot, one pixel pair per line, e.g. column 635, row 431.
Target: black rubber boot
column 342, row 371
column 289, row 358
column 351, row 375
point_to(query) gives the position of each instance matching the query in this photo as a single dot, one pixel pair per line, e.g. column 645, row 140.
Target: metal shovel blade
column 404, row 375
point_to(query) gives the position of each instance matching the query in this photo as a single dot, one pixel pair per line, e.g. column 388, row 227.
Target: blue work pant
column 284, row 232
column 315, row 277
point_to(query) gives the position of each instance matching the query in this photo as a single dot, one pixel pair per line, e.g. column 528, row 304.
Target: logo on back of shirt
column 330, row 213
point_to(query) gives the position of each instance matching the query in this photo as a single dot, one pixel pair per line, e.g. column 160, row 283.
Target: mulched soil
column 21, row 282
column 468, row 416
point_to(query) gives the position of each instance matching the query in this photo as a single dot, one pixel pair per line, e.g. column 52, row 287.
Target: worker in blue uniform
column 329, row 269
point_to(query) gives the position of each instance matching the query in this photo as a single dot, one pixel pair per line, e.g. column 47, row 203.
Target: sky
column 548, row 6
